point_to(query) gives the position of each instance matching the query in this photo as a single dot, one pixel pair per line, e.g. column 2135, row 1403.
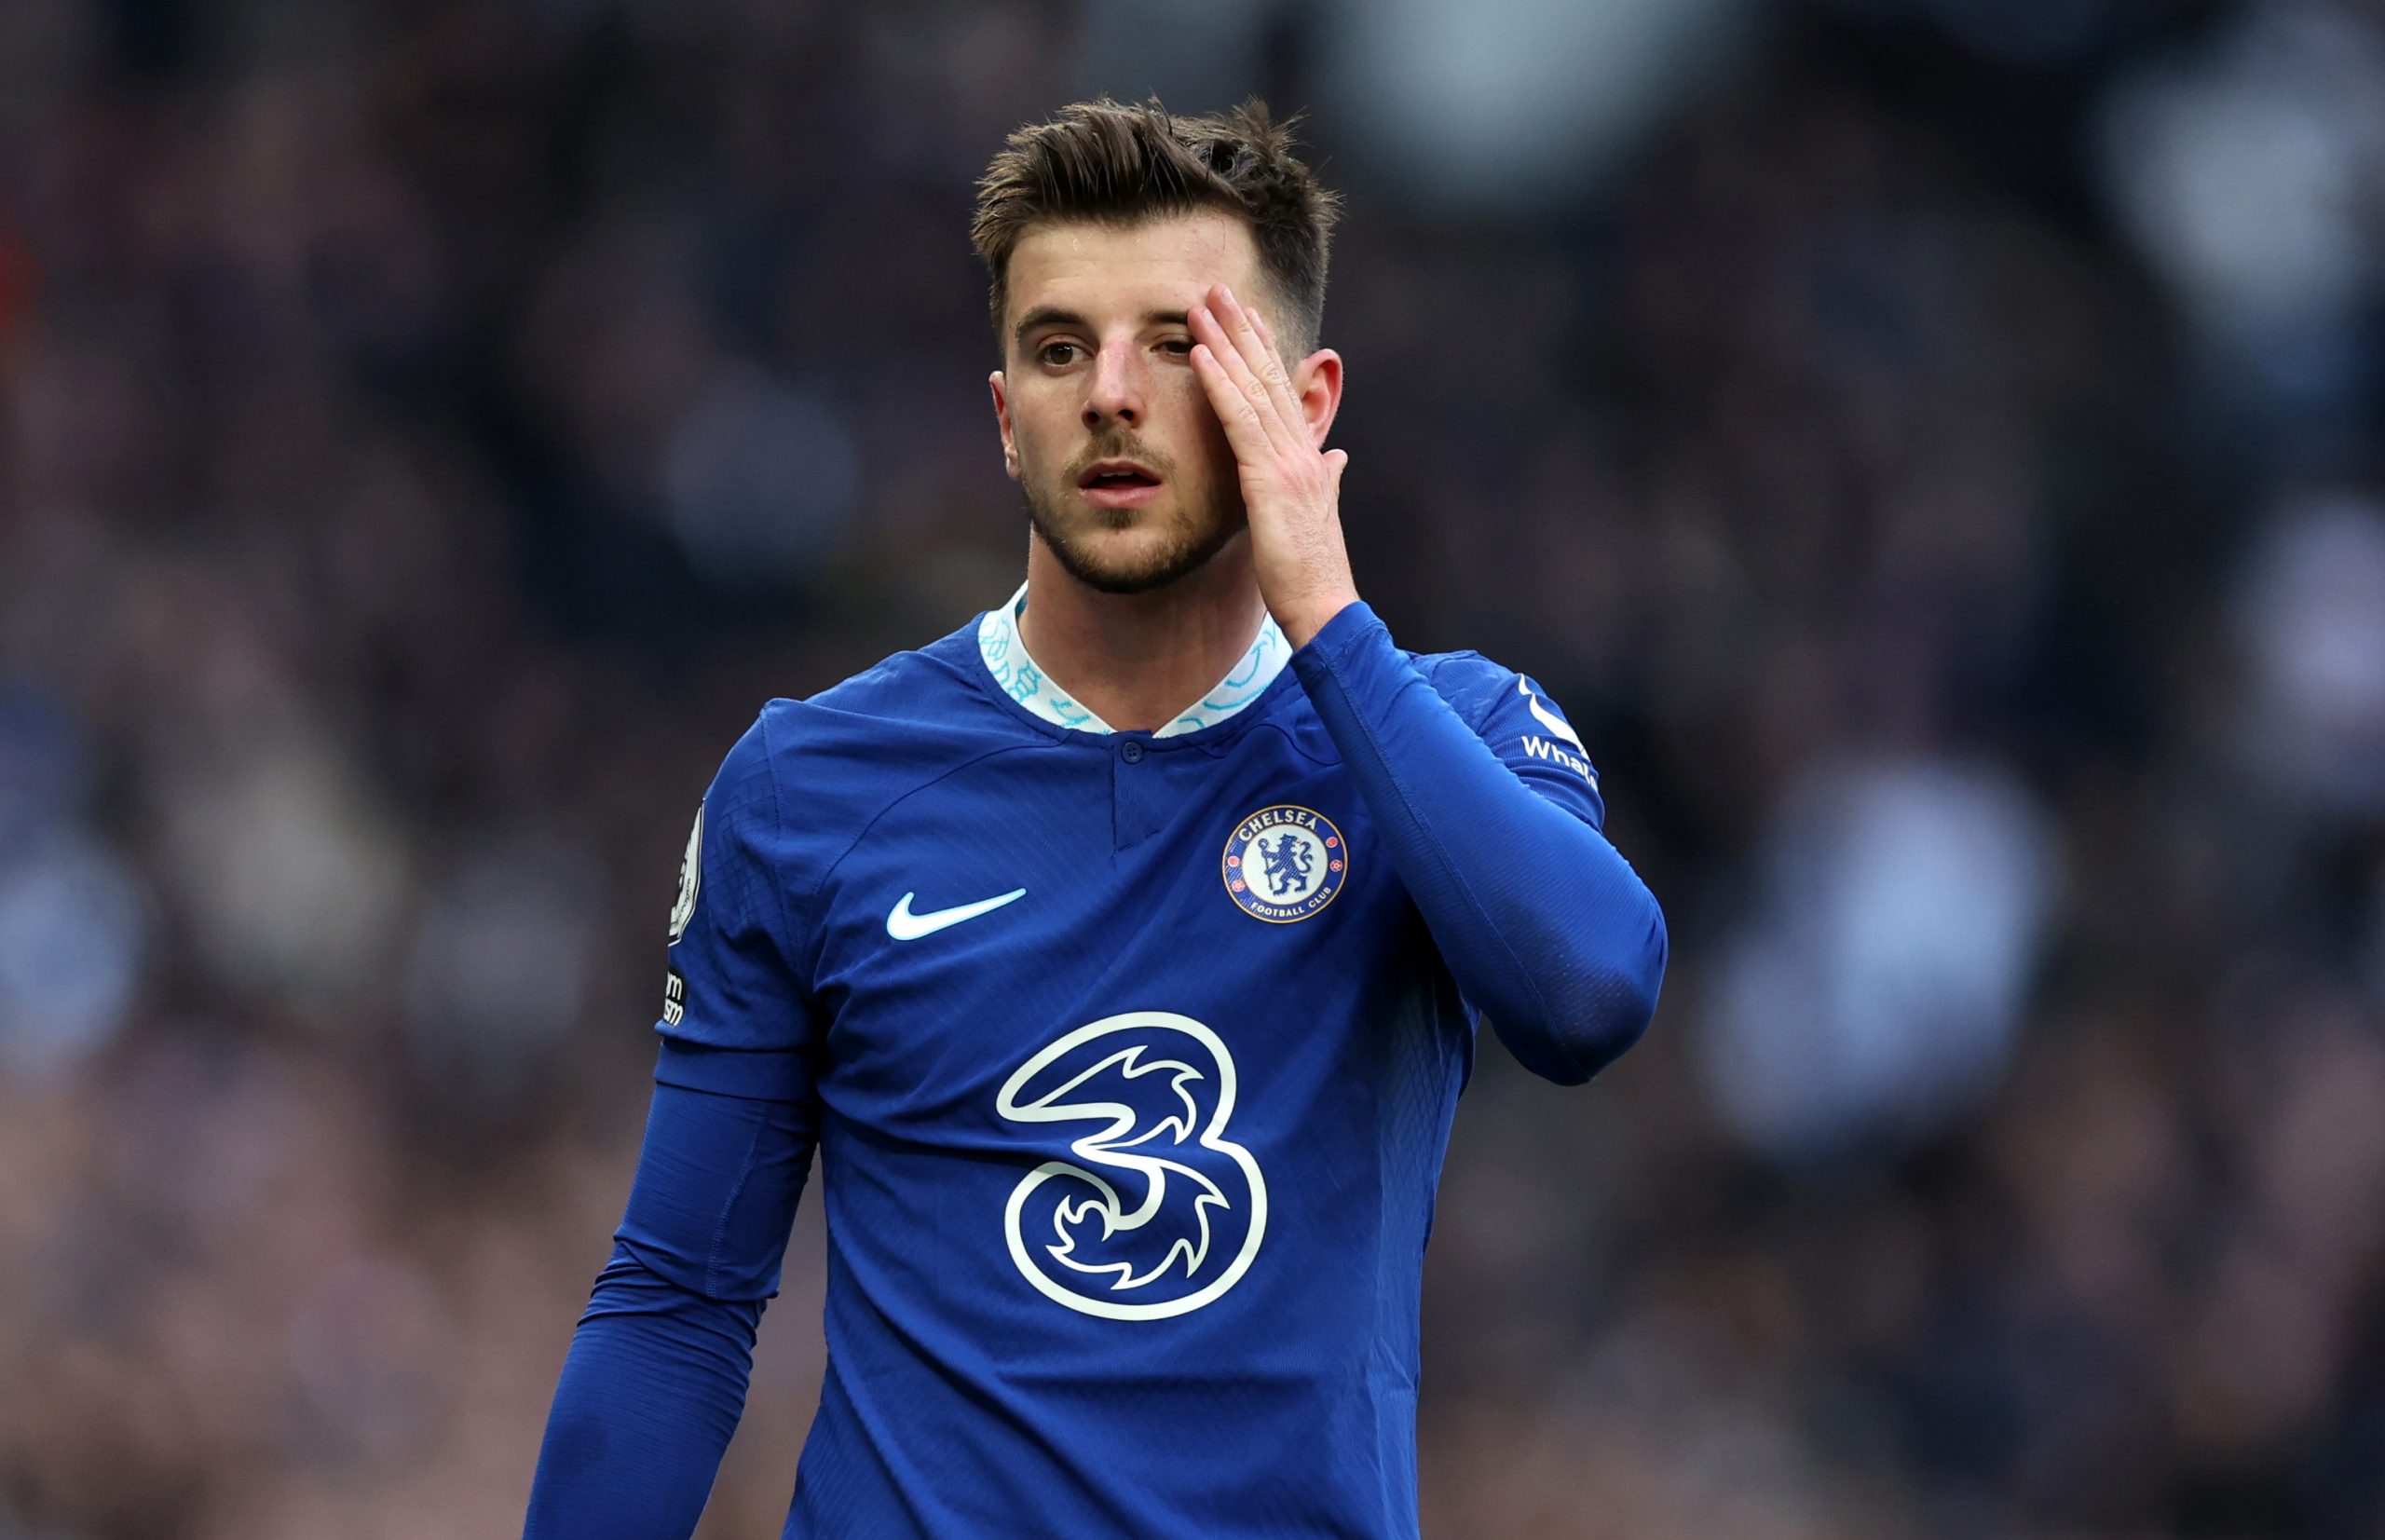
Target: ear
column 1001, row 420
column 1316, row 381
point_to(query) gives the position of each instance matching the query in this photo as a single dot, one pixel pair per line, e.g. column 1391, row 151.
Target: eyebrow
column 1049, row 314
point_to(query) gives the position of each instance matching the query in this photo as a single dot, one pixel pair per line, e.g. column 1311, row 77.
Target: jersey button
column 1132, row 752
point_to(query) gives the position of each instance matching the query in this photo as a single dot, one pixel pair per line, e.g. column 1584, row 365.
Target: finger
column 1209, row 331
column 1246, row 435
column 1287, row 399
column 1266, row 367
column 1265, row 360
column 1297, row 414
column 1209, row 326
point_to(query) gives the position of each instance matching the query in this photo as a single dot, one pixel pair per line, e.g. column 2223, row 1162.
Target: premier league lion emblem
column 692, row 874
column 1284, row 863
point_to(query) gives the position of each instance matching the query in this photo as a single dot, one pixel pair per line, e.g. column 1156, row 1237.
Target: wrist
column 1301, row 622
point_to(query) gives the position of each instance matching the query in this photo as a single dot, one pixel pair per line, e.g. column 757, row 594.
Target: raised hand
column 1291, row 486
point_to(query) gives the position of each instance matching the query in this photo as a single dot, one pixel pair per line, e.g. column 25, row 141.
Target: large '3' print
column 1158, row 1213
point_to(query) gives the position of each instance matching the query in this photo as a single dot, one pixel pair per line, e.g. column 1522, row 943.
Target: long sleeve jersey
column 1130, row 1060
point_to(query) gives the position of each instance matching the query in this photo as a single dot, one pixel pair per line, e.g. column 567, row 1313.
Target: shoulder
column 821, row 768
column 927, row 684
column 1513, row 714
column 916, row 713
column 1473, row 686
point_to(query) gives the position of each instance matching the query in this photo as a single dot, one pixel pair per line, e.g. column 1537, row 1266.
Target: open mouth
column 1111, row 476
column 1118, row 485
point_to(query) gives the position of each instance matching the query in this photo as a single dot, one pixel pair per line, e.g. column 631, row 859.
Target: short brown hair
column 1106, row 163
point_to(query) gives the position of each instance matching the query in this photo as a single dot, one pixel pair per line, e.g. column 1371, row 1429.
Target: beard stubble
column 1197, row 531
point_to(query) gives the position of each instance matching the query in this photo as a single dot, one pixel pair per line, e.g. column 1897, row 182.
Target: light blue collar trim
column 1005, row 654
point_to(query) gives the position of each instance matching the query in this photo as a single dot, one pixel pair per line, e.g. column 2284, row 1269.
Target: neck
column 1137, row 660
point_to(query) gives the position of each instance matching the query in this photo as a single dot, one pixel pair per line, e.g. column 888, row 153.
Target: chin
column 1112, row 564
column 1148, row 550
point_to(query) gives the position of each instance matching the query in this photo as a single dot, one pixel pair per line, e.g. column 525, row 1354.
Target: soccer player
column 1121, row 953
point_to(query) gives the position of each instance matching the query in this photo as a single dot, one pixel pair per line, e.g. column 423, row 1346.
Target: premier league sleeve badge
column 692, row 876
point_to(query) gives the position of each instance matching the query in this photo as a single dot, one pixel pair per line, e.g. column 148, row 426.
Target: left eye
column 1179, row 347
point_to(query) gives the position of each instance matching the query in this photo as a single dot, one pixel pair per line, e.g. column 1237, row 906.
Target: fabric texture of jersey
column 1130, row 1059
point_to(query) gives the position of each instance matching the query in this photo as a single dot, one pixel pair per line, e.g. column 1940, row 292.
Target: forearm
column 651, row 1395
column 655, row 1381
column 1546, row 927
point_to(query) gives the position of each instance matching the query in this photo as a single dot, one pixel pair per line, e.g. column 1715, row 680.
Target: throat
column 1141, row 661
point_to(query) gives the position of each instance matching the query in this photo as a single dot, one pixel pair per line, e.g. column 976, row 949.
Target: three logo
column 1159, row 1213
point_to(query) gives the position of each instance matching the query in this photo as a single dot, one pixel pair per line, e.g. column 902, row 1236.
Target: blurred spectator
column 1875, row 992
column 498, row 970
column 74, row 927
column 1510, row 107
column 760, row 479
column 2250, row 171
column 2310, row 620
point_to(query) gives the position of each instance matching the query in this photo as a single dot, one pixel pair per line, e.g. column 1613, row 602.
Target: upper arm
column 1529, row 732
column 734, row 1119
column 737, row 1009
column 1530, row 735
column 717, row 1182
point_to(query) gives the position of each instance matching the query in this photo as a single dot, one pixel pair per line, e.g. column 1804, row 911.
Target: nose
column 1114, row 387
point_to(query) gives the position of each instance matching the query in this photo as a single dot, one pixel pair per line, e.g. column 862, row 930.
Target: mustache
column 1118, row 447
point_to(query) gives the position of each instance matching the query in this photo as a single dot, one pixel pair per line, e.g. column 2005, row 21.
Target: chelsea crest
column 1284, row 863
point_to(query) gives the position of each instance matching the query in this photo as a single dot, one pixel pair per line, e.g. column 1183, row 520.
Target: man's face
column 1126, row 470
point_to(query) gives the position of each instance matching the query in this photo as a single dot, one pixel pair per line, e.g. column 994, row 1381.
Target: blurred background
column 1931, row 448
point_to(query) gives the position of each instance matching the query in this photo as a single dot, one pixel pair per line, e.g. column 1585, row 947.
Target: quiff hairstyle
column 1105, row 163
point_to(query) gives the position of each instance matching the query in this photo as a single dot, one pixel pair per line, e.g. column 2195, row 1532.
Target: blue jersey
column 1130, row 1059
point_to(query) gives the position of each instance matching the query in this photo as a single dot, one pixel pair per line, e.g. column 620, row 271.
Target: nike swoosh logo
column 902, row 925
column 1549, row 719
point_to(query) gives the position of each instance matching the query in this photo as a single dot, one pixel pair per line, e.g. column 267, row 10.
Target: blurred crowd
column 1930, row 447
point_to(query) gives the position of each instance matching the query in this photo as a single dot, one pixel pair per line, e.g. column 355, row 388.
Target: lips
column 1116, row 474
column 1118, row 484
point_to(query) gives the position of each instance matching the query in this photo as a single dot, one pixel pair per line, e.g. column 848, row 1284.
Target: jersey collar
column 1004, row 652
